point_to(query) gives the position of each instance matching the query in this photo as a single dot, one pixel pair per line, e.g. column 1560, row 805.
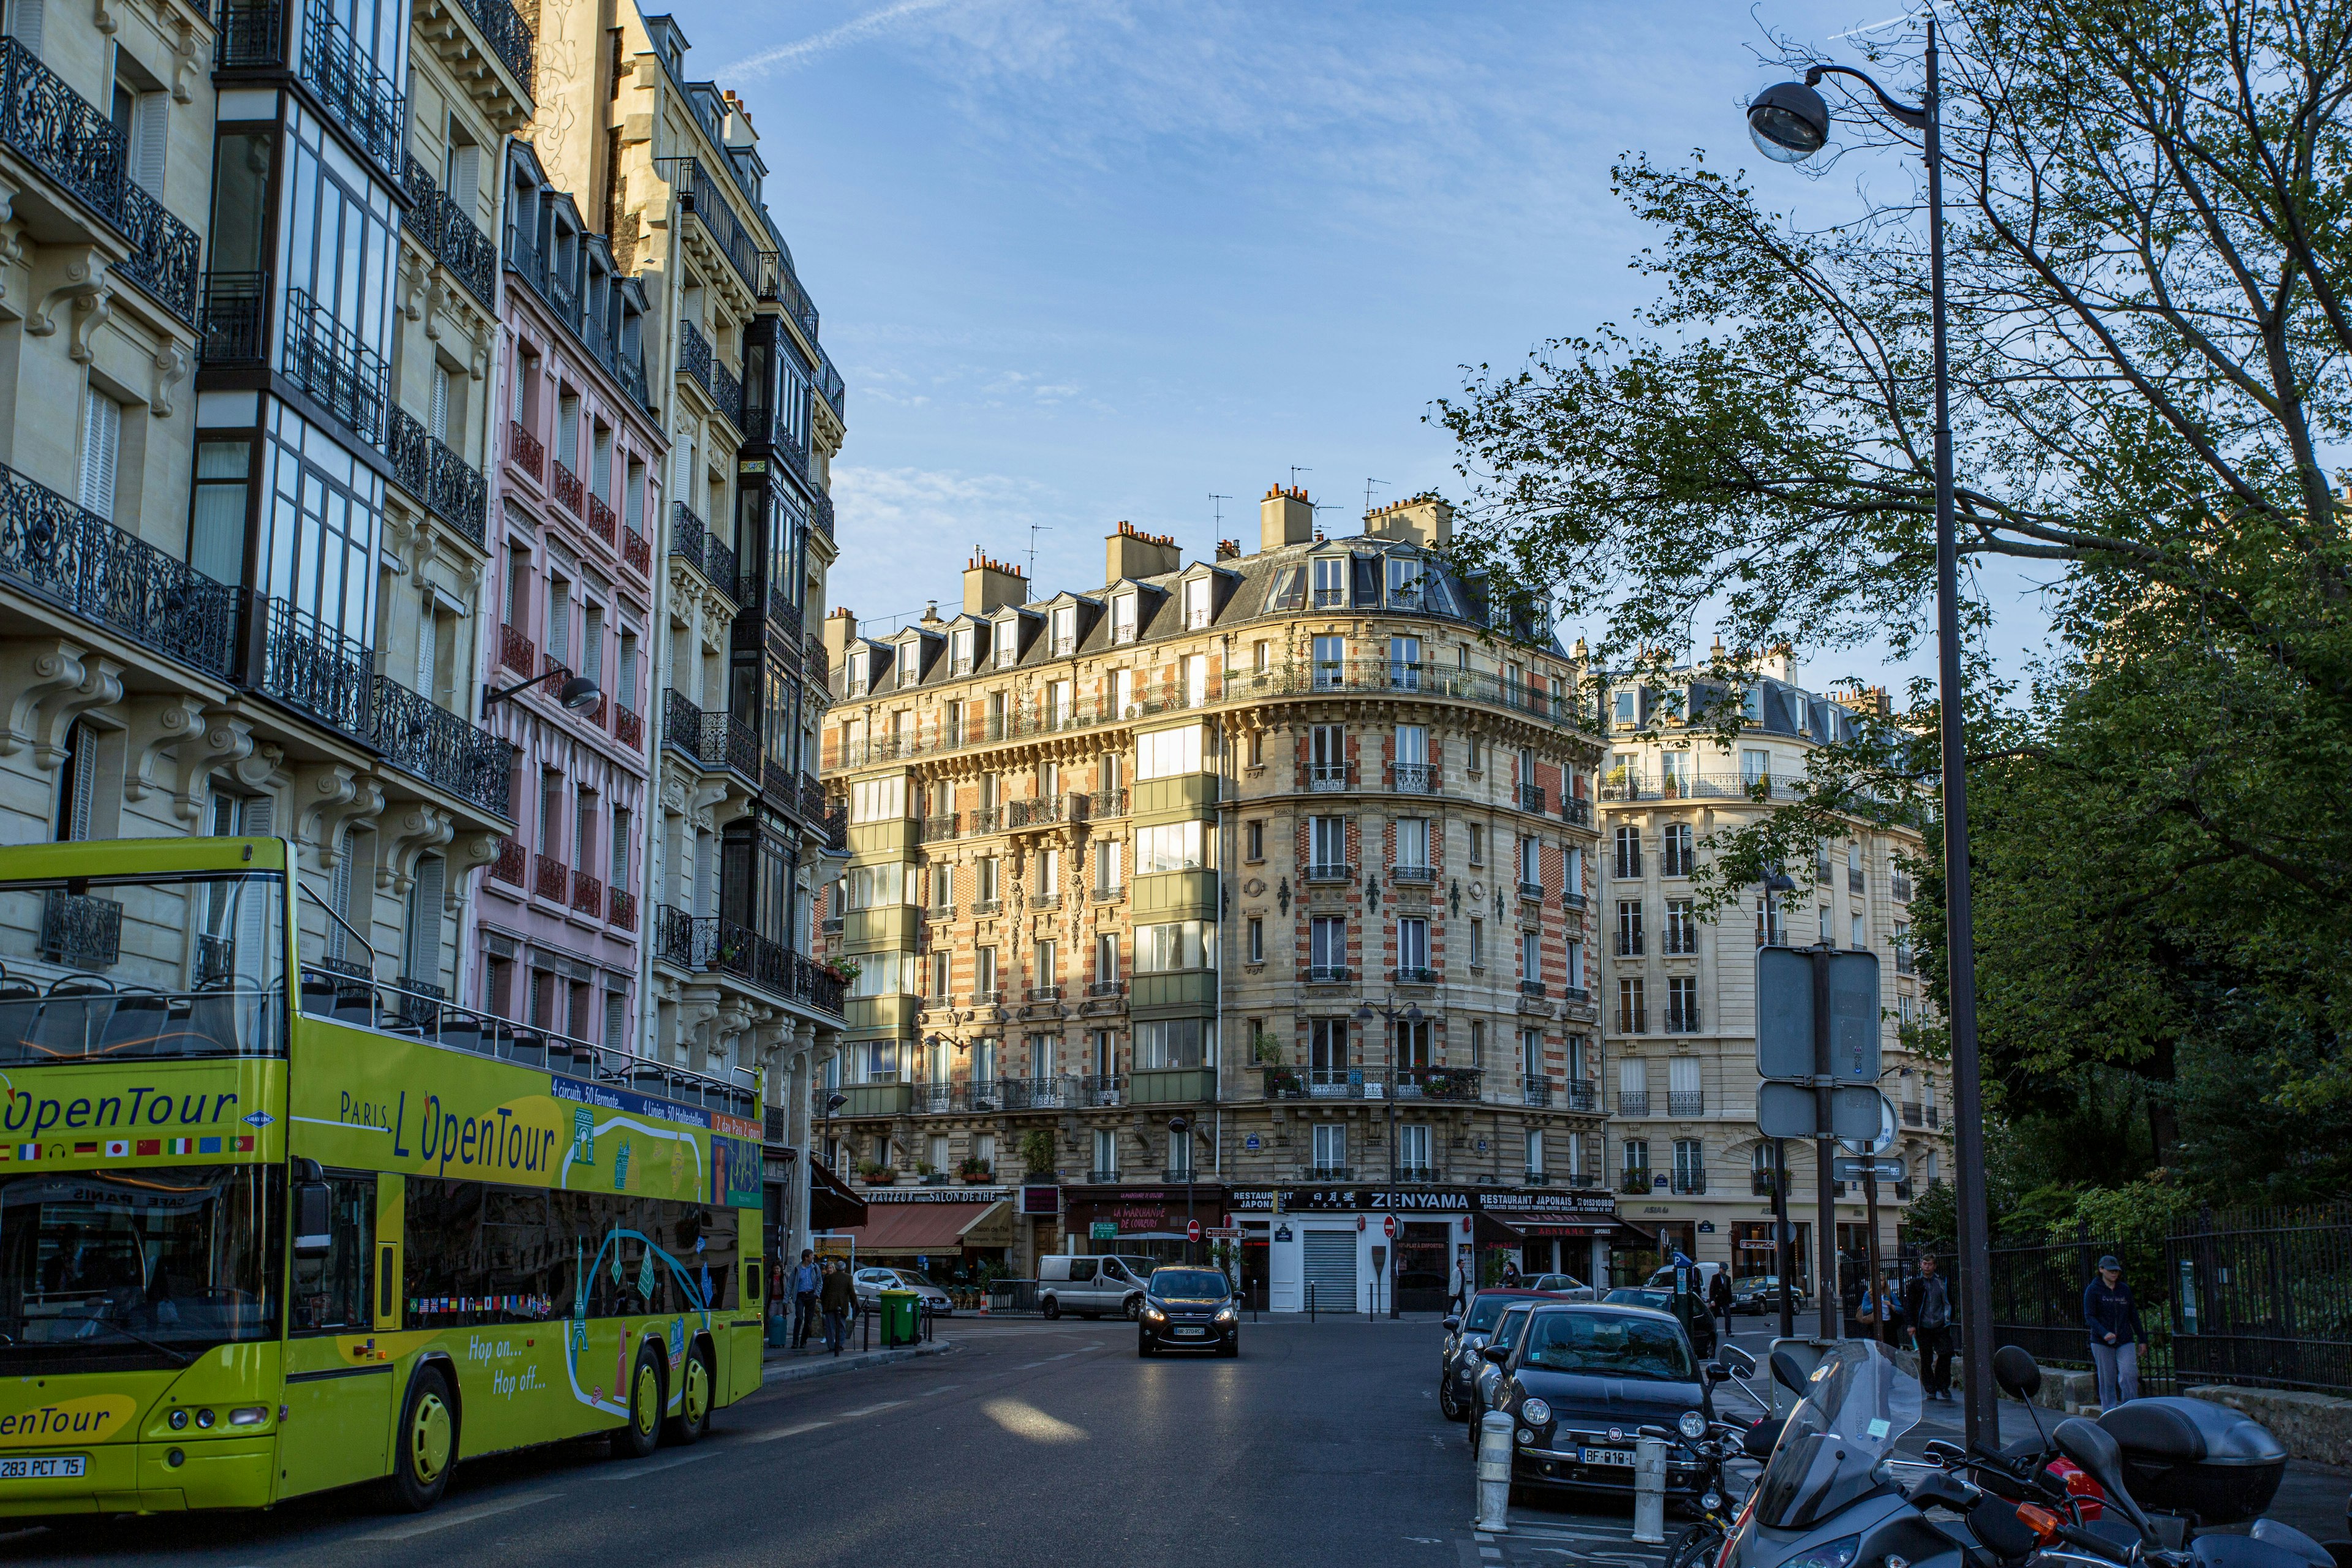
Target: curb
column 774, row 1373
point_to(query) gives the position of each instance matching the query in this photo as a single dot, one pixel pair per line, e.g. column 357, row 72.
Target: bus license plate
column 1621, row 1457
column 1189, row 1333
column 40, row 1470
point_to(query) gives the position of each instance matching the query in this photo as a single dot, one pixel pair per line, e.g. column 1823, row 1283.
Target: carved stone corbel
column 328, row 798
column 102, row 16
column 415, row 273
column 200, row 742
column 264, row 768
column 474, row 852
column 187, row 57
column 437, row 300
column 408, row 837
column 87, row 290
column 51, row 684
column 171, row 365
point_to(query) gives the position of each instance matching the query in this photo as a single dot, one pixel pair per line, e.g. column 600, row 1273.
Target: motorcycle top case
column 2188, row 1455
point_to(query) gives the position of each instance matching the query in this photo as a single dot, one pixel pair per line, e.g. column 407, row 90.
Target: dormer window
column 855, row 686
column 1331, row 582
column 1196, row 603
column 1065, row 631
column 1123, row 618
column 911, row 664
column 1289, row 590
column 1008, row 644
column 1751, row 705
column 1405, row 582
column 960, row 651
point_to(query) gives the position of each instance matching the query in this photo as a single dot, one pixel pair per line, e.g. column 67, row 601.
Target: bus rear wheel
column 694, row 1400
column 641, row 1431
column 428, row 1443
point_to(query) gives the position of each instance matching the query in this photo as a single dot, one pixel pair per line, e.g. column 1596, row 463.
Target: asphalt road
column 1029, row 1442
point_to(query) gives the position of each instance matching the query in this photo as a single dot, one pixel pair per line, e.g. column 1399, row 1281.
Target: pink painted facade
column 559, row 933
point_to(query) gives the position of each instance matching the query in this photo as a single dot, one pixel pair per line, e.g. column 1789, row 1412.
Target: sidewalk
column 795, row 1366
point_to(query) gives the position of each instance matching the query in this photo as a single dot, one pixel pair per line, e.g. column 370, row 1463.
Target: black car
column 1701, row 1327
column 1582, row 1382
column 1188, row 1309
column 1466, row 1336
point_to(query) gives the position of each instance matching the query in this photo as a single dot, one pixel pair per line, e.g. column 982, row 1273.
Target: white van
column 1092, row 1285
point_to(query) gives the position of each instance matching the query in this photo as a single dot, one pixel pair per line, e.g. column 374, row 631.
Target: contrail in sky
column 849, row 32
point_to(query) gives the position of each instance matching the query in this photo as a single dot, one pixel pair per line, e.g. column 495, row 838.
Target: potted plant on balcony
column 976, row 1169
column 844, row 970
column 877, row 1174
column 1435, row 1084
column 1037, row 1155
column 929, row 1175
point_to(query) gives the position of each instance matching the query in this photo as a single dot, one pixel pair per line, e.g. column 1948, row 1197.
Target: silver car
column 1567, row 1286
column 870, row 1282
column 1505, row 1337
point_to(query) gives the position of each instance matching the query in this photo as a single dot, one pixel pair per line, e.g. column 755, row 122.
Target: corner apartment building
column 1679, row 991
column 739, row 519
column 1253, row 890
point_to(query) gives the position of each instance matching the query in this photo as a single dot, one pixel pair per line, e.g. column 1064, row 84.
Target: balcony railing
column 1103, row 1088
column 1036, row 812
column 700, row 194
column 1579, row 1094
column 419, row 736
column 50, row 547
column 1109, row 892
column 1538, row 1178
column 937, row 829
column 1633, row 1179
column 361, row 98
column 236, row 313
column 1685, row 1102
column 1531, row 798
column 728, row 742
column 1532, row 988
column 1413, row 873
column 1632, row 1020
column 1435, row 1083
column 694, row 356
column 1330, row 870
column 706, row 943
column 516, row 652
column 686, row 533
column 587, row 894
column 987, row 819
column 1632, row 1102
column 251, row 35
column 1577, row 810
column 508, row 36
column 328, row 360
column 622, row 910
column 636, row 551
column 1681, row 1020
column 1535, row 1091
column 682, row 724
column 1097, row 989
column 564, row 486
column 68, row 138
column 1760, row 1183
column 1690, row 1181
column 1413, row 778
column 430, row 471
column 1103, row 803
column 1326, row 974
column 1324, row 777
column 1413, row 975
column 1327, row 1173
column 317, row 669
column 718, row 565
column 525, row 452
column 726, row 391
column 513, row 862
column 447, row 229
column 549, row 878
column 628, row 728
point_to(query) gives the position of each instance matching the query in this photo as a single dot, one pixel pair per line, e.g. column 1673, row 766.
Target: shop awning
column 832, row 1203
column 896, row 1229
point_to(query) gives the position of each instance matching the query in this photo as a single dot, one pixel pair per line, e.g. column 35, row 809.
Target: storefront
column 944, row 1231
column 1139, row 1222
column 1751, row 1251
column 1368, row 1248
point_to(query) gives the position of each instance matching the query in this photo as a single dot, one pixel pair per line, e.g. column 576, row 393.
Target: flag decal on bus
column 117, row 1149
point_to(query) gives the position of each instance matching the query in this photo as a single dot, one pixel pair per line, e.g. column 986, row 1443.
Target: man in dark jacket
column 2113, row 1319
column 1928, row 1309
column 1718, row 1298
column 838, row 1299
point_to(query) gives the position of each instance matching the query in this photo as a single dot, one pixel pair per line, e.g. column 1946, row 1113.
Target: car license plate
column 1189, row 1333
column 41, row 1469
column 1622, row 1458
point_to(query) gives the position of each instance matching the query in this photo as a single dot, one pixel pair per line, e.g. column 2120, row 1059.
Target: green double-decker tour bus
column 272, row 1224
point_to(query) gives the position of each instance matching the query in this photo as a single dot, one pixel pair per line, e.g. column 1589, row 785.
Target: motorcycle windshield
column 1855, row 1407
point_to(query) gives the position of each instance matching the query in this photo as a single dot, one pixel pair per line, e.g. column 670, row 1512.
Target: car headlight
column 1692, row 1426
column 1154, row 1315
column 1835, row 1553
column 1536, row 1413
column 1227, row 1315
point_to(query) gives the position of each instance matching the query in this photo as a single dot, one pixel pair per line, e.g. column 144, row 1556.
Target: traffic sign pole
column 1784, row 1255
column 1825, row 1279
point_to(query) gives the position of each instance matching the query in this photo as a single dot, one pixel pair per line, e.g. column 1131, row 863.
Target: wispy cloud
column 857, row 29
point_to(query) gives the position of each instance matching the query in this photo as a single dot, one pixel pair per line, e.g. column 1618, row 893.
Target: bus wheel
column 428, row 1443
column 638, row 1435
column 693, row 1417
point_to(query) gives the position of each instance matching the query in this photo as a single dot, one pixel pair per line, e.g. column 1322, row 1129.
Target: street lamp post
column 1409, row 1013
column 1179, row 1133
column 1784, row 1243
column 1790, row 122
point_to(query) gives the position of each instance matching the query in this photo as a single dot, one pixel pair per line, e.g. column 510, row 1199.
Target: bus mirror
column 313, row 1219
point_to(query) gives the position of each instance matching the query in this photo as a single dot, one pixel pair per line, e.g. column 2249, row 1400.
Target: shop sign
column 957, row 1194
column 1505, row 1203
column 1103, row 1230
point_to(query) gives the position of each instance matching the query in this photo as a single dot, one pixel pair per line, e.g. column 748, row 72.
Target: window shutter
column 438, row 427
column 591, row 644
column 338, row 895
column 559, row 621
column 84, row 750
column 101, row 432
column 150, row 138
column 428, row 629
column 24, row 24
column 423, row 959
column 465, row 176
column 620, row 866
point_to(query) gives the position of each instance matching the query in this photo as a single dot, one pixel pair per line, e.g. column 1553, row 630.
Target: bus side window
column 333, row 1291
column 751, row 1281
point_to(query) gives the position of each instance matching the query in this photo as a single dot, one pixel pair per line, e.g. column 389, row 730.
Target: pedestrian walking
column 837, row 1299
column 808, row 1280
column 1927, row 1308
column 1461, row 1294
column 2112, row 1319
column 1510, row 1276
column 1718, row 1299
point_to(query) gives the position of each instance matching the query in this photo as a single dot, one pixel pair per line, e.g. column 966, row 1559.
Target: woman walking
column 2113, row 1319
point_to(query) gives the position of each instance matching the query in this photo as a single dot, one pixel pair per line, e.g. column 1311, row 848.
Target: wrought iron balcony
column 76, row 560
column 430, row 471
column 708, row 943
column 1577, row 810
column 1109, row 892
column 694, row 356
column 1633, row 1179
column 728, row 742
column 1760, row 1183
column 600, row 521
column 1413, row 975
column 360, row 97
column 1459, row 1084
column 508, row 36
column 726, row 391
column 251, row 36
column 68, row 138
column 700, row 194
column 1324, row 777
column 820, row 513
column 420, row 736
column 637, row 550
column 449, row 231
column 1413, row 778
column 328, row 360
column 587, row 893
column 516, row 652
column 682, row 724
column 937, row 829
column 1532, row 890
column 1632, row 1102
column 622, row 910
column 317, row 669
column 1329, row 871
column 1531, row 798
column 1685, row 1102
column 512, row 864
column 1688, row 1181
column 1535, row 1091
column 1036, row 812
column 686, row 533
column 1532, row 988
column 1103, row 803
column 234, row 317
column 1538, row 1178
column 718, row 565
column 1097, row 989
column 1578, row 1094
column 549, row 878
column 1326, row 974
column 1681, row 1020
column 1632, row 1020
column 564, row 486
column 1413, row 873
column 1103, row 1178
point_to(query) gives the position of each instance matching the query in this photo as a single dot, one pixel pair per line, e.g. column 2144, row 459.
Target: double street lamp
column 1791, row 123
column 1409, row 1013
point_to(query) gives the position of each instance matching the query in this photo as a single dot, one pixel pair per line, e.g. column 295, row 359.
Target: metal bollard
column 1493, row 1473
column 1650, row 1490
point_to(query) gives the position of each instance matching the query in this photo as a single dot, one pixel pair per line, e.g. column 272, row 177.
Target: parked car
column 1581, row 1382
column 1506, row 1332
column 1703, row 1334
column 1761, row 1293
column 1091, row 1285
column 1188, row 1309
column 1457, row 1359
column 869, row 1284
column 1567, row 1286
column 1702, row 1277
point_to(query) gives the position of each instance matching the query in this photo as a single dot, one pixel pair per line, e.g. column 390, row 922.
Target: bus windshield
column 136, row 1268
column 127, row 968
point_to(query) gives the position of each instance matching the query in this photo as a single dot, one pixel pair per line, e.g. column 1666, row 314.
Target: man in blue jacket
column 2113, row 1319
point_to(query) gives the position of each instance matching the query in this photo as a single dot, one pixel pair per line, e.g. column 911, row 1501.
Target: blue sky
column 1096, row 260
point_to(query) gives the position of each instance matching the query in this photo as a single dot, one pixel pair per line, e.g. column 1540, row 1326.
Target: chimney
column 1426, row 519
column 1229, row 549
column 840, row 631
column 1780, row 662
column 1130, row 553
column 991, row 584
column 1285, row 517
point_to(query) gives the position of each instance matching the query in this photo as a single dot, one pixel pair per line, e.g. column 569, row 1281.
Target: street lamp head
column 578, row 694
column 835, row 1102
column 1779, row 882
column 1788, row 124
column 1178, row 1124
column 1364, row 1015
column 1412, row 1013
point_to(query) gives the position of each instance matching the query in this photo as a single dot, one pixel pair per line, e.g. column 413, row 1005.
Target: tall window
column 1535, row 1152
column 1413, row 944
column 1531, row 863
column 101, row 438
column 1327, row 842
column 1256, row 939
column 1107, row 866
column 1633, row 1012
column 1254, row 840
column 1332, row 1151
column 1173, row 1043
column 1675, row 850
column 1327, row 754
column 1328, row 946
column 1404, row 663
column 1628, row 852
column 1196, row 603
column 1637, row 1159
column 1107, row 958
column 1690, row 1166
column 1682, row 929
column 1413, row 1148
column 1326, row 1050
column 1412, row 1046
column 984, row 967
column 1330, row 583
column 1477, row 944
column 1048, row 969
column 1413, row 842
column 1331, row 663
column 1629, row 928
column 1530, row 957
